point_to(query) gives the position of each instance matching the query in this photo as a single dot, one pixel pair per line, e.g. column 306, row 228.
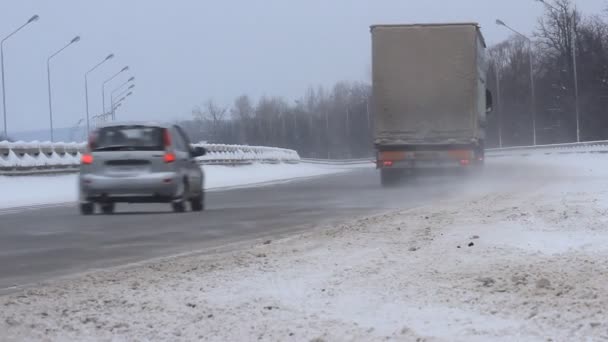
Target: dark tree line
column 321, row 124
column 337, row 123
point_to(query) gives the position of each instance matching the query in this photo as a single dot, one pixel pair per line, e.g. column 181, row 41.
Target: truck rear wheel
column 389, row 177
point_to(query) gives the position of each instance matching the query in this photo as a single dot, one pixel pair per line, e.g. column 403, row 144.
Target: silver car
column 140, row 163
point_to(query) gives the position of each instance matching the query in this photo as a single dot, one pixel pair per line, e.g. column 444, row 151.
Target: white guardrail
column 25, row 158
column 521, row 151
column 339, row 161
column 570, row 148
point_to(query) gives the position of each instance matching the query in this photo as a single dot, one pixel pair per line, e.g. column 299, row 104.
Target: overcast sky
column 185, row 51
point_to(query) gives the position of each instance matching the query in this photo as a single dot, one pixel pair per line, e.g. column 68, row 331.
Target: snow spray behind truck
column 430, row 98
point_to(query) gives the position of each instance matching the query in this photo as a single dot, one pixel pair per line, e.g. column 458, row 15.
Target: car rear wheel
column 107, row 208
column 87, row 208
column 178, row 207
column 198, row 203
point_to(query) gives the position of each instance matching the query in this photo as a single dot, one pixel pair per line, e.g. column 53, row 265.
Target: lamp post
column 86, row 86
column 120, row 87
column 498, row 104
column 31, row 20
column 103, row 88
column 532, row 85
column 48, row 71
column 75, row 128
column 126, row 94
column 128, row 90
column 98, row 118
column 572, row 22
column 119, row 101
column 116, row 107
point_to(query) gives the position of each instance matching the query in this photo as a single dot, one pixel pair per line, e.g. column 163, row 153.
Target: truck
column 429, row 97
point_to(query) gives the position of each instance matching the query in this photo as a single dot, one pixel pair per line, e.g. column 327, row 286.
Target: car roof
column 135, row 123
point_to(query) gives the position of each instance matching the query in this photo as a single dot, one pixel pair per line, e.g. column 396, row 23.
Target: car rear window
column 131, row 138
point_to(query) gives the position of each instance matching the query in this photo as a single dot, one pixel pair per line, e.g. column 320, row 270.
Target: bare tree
column 210, row 117
column 242, row 112
column 242, row 109
column 560, row 28
column 321, row 124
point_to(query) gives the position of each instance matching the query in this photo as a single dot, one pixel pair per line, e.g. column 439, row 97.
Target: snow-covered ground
column 518, row 255
column 17, row 191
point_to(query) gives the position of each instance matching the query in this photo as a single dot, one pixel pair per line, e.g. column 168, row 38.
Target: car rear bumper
column 155, row 187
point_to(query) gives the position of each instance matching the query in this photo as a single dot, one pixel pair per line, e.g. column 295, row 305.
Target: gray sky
column 185, row 51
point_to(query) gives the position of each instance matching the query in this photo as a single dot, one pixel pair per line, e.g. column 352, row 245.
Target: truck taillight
column 387, row 163
column 465, row 162
column 86, row 159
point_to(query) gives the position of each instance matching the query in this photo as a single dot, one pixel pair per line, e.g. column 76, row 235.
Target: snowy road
column 18, row 191
column 517, row 254
column 45, row 242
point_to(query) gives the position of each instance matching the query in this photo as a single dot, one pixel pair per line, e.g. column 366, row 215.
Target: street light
column 112, row 97
column 498, row 104
column 121, row 86
column 116, row 106
column 123, row 92
column 86, row 86
column 31, row 20
column 103, row 88
column 119, row 102
column 98, row 117
column 571, row 20
column 75, row 128
column 48, row 71
column 532, row 85
column 126, row 92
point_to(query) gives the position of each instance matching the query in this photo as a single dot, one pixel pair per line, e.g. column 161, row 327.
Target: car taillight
column 465, row 162
column 86, row 159
column 387, row 163
column 169, row 157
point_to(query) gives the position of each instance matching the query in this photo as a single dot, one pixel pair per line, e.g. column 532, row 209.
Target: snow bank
column 34, row 190
column 227, row 176
column 19, row 191
column 520, row 259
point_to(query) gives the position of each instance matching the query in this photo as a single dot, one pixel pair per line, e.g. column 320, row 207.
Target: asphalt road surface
column 42, row 244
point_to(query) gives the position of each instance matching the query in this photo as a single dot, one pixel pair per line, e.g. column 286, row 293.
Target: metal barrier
column 523, row 151
column 570, row 148
column 27, row 158
column 369, row 160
